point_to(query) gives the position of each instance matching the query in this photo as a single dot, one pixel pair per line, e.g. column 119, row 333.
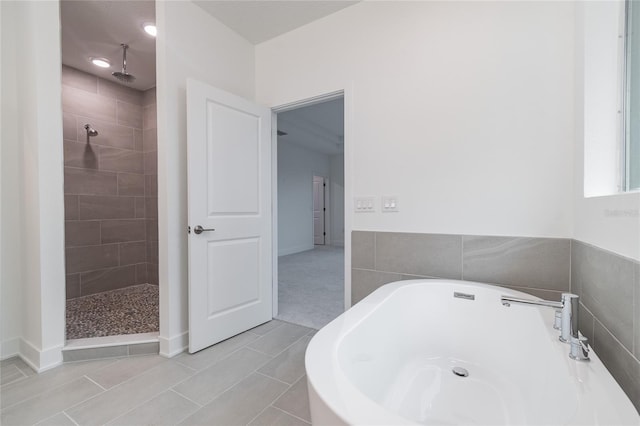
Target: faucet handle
column 557, row 323
column 579, row 348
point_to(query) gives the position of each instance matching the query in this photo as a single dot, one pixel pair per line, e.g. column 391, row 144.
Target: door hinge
column 324, row 209
column 324, row 184
column 324, row 233
column 188, row 229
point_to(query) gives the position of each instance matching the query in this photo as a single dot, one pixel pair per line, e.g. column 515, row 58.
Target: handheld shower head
column 123, row 75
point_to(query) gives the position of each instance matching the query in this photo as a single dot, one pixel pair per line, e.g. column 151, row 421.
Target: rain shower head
column 123, row 75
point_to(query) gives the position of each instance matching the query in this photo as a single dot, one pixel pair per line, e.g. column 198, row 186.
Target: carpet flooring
column 130, row 310
column 311, row 286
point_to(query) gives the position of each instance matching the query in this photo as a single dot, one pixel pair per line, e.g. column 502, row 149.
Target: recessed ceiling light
column 150, row 29
column 101, row 62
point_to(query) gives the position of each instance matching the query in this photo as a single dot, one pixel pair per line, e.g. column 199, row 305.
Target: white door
column 318, row 210
column 229, row 172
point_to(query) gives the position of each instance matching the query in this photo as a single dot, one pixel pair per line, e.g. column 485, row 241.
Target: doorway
column 310, row 213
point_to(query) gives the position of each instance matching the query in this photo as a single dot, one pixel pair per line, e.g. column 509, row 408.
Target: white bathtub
column 389, row 359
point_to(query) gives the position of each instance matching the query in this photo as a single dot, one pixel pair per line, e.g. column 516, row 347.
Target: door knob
column 199, row 229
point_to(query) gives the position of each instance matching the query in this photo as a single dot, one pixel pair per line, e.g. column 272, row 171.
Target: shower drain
column 459, row 371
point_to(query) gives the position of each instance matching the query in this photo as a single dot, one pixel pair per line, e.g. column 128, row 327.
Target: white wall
column 611, row 222
column 464, row 110
column 296, row 167
column 33, row 278
column 193, row 44
column 10, row 190
column 337, row 199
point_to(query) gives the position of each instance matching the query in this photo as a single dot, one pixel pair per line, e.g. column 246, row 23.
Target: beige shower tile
column 86, row 104
column 109, row 133
column 81, row 233
column 114, row 90
column 77, row 79
column 106, row 207
column 129, row 114
column 89, row 182
column 122, row 230
column 130, row 184
column 91, row 258
column 121, row 160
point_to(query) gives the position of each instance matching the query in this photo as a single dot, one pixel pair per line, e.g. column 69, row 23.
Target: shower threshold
column 111, row 347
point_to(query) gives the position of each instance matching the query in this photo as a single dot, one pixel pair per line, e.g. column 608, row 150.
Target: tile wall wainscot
column 609, row 288
column 539, row 266
column 608, row 284
column 109, row 185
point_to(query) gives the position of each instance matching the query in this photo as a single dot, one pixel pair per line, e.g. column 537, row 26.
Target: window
column 631, row 149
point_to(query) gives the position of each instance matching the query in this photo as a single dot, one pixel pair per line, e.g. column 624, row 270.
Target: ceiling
column 261, row 20
column 318, row 127
column 96, row 29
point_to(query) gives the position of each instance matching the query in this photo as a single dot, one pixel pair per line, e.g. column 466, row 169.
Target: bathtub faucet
column 566, row 321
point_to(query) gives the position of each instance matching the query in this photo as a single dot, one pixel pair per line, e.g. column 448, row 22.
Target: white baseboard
column 337, row 243
column 292, row 250
column 172, row 346
column 40, row 360
column 9, row 348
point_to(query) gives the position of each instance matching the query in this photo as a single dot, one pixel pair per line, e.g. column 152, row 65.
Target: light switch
column 364, row 204
column 390, row 203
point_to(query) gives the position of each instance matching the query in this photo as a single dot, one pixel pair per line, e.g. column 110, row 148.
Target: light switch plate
column 389, row 203
column 364, row 204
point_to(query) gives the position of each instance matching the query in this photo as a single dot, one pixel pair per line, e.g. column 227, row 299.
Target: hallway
column 311, row 286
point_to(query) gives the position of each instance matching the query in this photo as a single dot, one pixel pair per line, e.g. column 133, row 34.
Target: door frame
column 346, row 95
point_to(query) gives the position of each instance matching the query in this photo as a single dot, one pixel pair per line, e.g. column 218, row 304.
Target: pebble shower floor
column 129, row 310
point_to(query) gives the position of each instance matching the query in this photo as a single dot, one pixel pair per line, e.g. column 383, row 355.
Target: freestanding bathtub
column 389, row 360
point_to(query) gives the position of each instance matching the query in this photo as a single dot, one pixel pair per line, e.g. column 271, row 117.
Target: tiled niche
column 608, row 284
column 110, row 185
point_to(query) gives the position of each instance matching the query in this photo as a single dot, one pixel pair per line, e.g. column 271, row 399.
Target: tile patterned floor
column 130, row 310
column 255, row 378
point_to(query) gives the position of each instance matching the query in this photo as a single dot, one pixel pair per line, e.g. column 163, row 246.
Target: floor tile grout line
column 64, row 413
column 273, row 378
column 95, row 383
column 258, row 415
column 135, row 376
column 142, row 403
column 291, row 414
column 286, row 347
column 224, row 358
column 155, row 395
column 79, row 403
column 185, row 397
column 30, row 397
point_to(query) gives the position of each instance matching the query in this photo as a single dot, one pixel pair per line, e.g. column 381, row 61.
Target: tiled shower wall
column 608, row 284
column 110, row 206
column 150, row 149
